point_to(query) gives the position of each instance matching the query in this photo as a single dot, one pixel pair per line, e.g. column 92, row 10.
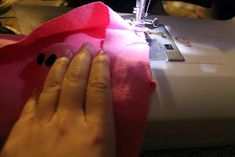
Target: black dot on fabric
column 40, row 59
column 50, row 60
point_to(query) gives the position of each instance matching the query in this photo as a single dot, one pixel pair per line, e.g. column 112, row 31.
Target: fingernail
column 88, row 46
column 101, row 52
column 67, row 54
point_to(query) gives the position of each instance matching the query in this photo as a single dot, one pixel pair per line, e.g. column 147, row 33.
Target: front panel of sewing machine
column 194, row 103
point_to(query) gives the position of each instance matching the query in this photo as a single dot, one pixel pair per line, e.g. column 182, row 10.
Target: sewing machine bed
column 194, row 103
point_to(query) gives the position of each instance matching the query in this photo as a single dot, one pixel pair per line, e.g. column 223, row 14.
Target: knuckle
column 52, row 85
column 75, row 75
column 99, row 83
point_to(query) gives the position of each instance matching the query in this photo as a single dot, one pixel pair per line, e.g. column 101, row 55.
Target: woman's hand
column 72, row 116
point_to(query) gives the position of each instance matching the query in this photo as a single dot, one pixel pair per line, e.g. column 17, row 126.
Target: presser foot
column 162, row 45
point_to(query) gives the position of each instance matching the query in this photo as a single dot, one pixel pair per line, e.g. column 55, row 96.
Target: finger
column 98, row 96
column 29, row 108
column 49, row 96
column 75, row 82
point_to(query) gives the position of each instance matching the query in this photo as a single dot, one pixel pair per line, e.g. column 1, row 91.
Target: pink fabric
column 96, row 23
column 6, row 39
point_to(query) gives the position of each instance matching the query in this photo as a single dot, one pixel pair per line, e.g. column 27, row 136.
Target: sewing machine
column 193, row 64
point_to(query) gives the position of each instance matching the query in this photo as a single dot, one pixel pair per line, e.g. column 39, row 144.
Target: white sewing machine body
column 194, row 103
